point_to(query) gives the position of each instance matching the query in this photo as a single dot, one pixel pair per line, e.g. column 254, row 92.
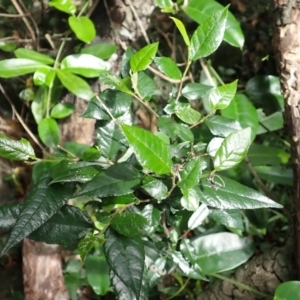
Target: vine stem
column 180, row 290
column 182, row 79
column 242, row 286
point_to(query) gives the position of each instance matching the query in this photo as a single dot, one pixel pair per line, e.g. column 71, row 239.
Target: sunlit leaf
column 83, row 27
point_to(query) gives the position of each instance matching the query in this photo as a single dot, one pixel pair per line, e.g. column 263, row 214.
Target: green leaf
column 155, row 188
column 278, row 175
column 75, row 84
column 34, row 55
column 198, row 216
column 83, row 27
column 143, row 58
column 266, row 91
column 151, row 152
column 259, row 154
column 129, row 224
column 92, row 153
column 152, row 216
column 272, row 122
column 97, row 274
column 187, row 114
column 222, row 126
column 145, row 87
column 86, row 65
column 67, row 171
column 225, row 95
column 233, row 195
column 221, row 252
column 49, row 132
column 87, row 244
column 110, row 140
column 100, row 50
column 180, row 26
column 27, row 94
column 190, row 198
column 190, row 175
column 168, row 67
column 7, row 46
column 209, row 35
column 195, row 91
column 126, row 256
column 231, row 218
column 199, row 11
column 64, row 228
column 15, row 150
column 39, row 104
column 9, row 214
column 62, row 110
column 41, row 204
column 125, row 64
column 14, row 67
column 117, row 180
column 288, row 290
column 214, row 145
column 233, row 149
column 243, row 111
column 44, row 76
column 66, row 6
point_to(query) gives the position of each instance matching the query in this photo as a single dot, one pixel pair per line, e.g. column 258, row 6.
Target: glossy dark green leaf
column 272, row 122
column 243, row 111
column 195, row 91
column 152, row 216
column 92, row 153
column 214, row 145
column 118, row 103
column 222, row 251
column 64, row 228
column 86, row 65
column 14, row 67
column 209, row 35
column 266, row 90
column 168, row 67
column 87, row 244
column 155, row 188
column 129, row 224
column 190, row 198
column 201, row 10
column 198, row 216
column 34, row 55
column 151, row 152
column 125, row 256
column 15, row 150
column 167, row 126
column 110, row 140
column 187, row 114
column 97, row 274
column 49, row 132
column 276, row 174
column 259, row 155
column 75, row 84
column 184, row 133
column 9, row 215
column 181, row 262
column 67, row 171
column 62, row 110
column 119, row 179
column 222, row 126
column 100, row 50
column 66, row 6
column 190, row 175
column 83, row 27
column 75, row 148
column 41, row 204
column 39, row 103
column 125, row 64
column 230, row 194
column 156, row 271
column 231, row 218
column 143, row 58
column 288, row 290
column 233, row 149
column 145, row 86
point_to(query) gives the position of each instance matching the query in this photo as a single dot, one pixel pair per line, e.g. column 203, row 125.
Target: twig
column 21, row 120
column 166, row 78
column 206, row 71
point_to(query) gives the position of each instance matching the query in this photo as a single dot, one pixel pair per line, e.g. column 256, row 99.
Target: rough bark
column 262, row 273
column 287, row 51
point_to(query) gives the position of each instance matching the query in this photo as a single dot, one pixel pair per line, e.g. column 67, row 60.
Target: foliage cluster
column 152, row 204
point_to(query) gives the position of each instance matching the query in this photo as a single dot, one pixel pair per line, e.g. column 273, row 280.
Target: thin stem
column 182, row 79
column 180, row 290
column 242, row 286
column 215, row 73
column 203, row 119
column 146, row 105
column 166, row 78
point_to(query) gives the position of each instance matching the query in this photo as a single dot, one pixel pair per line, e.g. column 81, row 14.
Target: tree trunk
column 287, row 51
